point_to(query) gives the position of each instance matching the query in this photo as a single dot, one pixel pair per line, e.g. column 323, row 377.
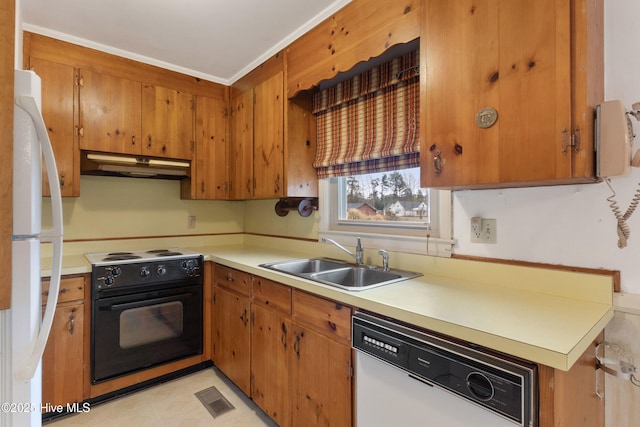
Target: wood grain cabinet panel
column 241, row 145
column 64, row 365
column 235, row 280
column 62, row 362
column 568, row 398
column 270, row 348
column 167, row 122
column 321, row 376
column 271, row 294
column 268, row 138
column 257, row 120
column 209, row 172
column 497, row 106
column 326, row 316
column 300, row 363
column 59, row 107
column 272, row 142
column 300, row 149
column 110, row 118
column 361, row 30
column 232, row 336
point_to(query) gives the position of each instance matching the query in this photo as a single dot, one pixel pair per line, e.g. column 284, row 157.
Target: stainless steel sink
column 304, row 266
column 340, row 274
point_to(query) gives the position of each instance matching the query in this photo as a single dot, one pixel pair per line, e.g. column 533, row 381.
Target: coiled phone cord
column 623, row 229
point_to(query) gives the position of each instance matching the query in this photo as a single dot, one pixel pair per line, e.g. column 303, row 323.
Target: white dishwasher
column 405, row 377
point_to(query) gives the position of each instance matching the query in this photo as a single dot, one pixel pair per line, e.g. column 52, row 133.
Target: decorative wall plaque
column 486, row 117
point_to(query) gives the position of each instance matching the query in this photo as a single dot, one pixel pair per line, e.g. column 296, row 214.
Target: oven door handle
column 144, row 303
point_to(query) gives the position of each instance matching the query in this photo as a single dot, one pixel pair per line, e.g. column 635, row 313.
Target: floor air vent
column 214, row 401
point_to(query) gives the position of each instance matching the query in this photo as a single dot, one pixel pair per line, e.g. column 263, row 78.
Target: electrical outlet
column 191, row 223
column 483, row 230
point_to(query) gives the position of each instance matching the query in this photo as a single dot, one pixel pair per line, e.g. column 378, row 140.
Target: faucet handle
column 385, row 259
column 359, row 251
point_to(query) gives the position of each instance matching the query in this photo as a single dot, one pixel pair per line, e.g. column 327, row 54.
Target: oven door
column 141, row 330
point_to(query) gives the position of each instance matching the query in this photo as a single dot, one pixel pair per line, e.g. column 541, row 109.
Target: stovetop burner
column 122, row 257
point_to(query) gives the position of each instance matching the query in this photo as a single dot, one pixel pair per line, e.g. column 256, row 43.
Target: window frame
column 435, row 239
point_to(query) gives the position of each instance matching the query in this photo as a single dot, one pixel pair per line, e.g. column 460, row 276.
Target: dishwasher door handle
column 420, row 379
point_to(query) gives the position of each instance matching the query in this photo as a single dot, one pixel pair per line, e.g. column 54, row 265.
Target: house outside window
column 413, row 220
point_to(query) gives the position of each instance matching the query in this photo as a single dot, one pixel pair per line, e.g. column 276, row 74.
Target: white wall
column 570, row 225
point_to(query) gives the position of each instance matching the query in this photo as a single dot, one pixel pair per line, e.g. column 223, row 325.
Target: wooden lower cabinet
column 232, row 336
column 298, row 357
column 294, row 357
column 62, row 380
column 568, row 398
column 270, row 367
column 321, row 378
column 63, row 362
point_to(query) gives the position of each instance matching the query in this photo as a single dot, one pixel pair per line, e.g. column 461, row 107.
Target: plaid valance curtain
column 370, row 123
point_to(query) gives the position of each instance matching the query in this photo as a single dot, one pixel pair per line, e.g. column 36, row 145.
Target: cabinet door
column 211, row 149
column 300, row 152
column 109, row 113
column 269, row 367
column 268, row 139
column 167, row 123
column 232, row 337
column 321, row 372
column 241, row 146
column 511, row 57
column 62, row 362
column 58, row 106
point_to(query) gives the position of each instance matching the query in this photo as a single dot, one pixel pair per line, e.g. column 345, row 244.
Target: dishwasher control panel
column 502, row 385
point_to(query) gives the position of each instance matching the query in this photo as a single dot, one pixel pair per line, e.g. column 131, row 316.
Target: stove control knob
column 161, row 270
column 144, row 272
column 188, row 264
column 109, row 281
column 116, row 271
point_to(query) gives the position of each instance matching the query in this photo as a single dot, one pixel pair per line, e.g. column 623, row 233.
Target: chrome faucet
column 385, row 259
column 359, row 249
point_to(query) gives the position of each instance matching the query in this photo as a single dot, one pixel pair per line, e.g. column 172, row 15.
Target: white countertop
column 550, row 324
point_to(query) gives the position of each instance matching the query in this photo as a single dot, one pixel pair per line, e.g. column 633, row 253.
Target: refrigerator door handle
column 28, row 104
column 53, row 235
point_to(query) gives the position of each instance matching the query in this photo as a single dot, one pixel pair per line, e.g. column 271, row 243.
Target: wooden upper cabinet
column 209, row 178
column 58, row 110
column 257, row 138
column 301, row 179
column 268, row 139
column 167, row 122
column 496, row 95
column 361, row 30
column 241, row 145
column 110, row 118
column 272, row 139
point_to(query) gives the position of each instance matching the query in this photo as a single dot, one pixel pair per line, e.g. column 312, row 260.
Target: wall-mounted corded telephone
column 613, row 140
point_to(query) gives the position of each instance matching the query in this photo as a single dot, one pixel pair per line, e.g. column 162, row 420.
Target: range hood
column 133, row 166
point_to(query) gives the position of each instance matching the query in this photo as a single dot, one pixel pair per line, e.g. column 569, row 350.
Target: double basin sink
column 344, row 275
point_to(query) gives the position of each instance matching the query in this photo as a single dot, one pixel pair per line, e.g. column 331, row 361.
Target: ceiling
column 216, row 40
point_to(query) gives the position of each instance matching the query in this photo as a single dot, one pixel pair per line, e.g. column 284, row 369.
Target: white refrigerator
column 24, row 327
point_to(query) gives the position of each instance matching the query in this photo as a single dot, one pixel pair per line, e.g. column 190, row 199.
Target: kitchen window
column 368, row 155
column 388, row 211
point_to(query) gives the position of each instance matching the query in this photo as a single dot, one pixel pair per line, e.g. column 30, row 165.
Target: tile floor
column 172, row 404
